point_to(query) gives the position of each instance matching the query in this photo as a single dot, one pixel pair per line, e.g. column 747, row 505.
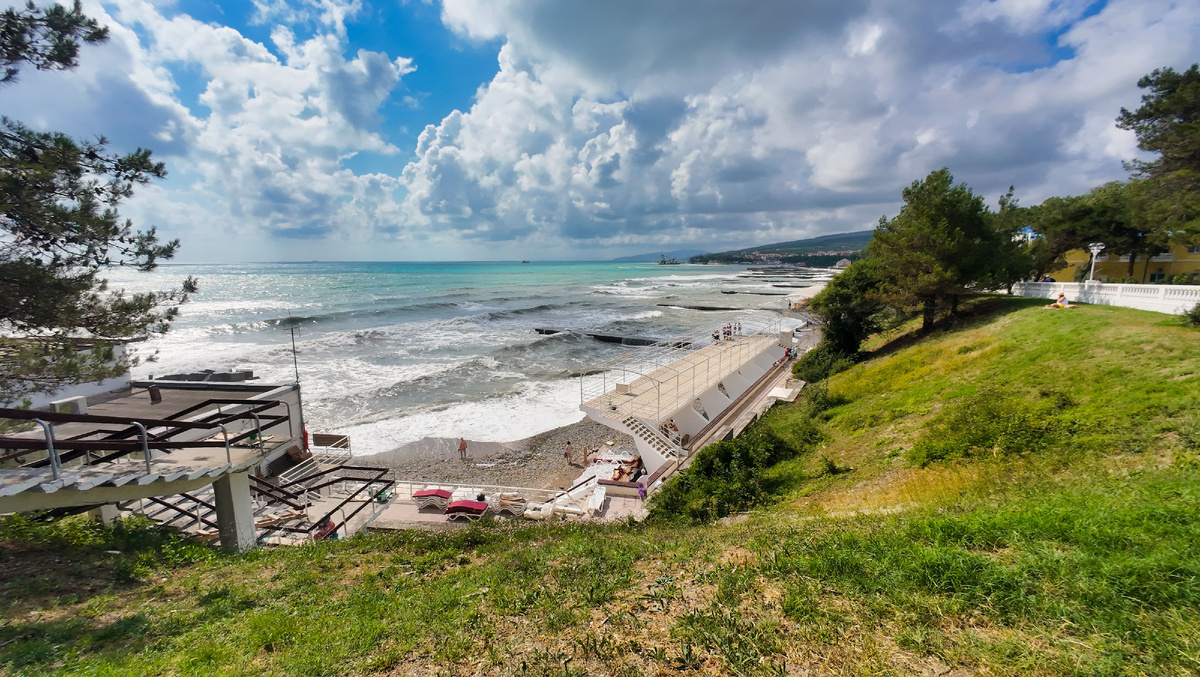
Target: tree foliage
column 848, row 308
column 938, row 248
column 1011, row 257
column 1114, row 214
column 1168, row 124
column 47, row 39
column 848, row 311
column 59, row 202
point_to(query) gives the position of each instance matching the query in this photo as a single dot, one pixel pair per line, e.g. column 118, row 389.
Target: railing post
column 257, row 429
column 225, row 434
column 55, row 463
column 145, row 445
column 289, row 416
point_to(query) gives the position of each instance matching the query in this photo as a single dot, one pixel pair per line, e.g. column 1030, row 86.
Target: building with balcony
column 1180, row 260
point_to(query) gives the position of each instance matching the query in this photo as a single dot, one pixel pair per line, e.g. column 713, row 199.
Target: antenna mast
column 295, row 361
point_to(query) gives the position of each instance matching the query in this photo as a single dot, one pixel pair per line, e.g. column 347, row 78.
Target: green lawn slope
column 1016, row 494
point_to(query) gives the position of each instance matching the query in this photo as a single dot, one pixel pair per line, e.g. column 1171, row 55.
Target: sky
column 572, row 129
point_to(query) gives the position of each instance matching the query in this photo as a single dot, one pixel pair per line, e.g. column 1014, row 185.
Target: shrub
column 727, row 477
column 1191, row 318
column 821, row 362
column 830, row 468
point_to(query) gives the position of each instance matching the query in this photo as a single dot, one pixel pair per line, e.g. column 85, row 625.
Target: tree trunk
column 954, row 304
column 1132, row 258
column 928, row 313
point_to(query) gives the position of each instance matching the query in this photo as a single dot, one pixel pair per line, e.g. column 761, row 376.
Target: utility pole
column 295, row 361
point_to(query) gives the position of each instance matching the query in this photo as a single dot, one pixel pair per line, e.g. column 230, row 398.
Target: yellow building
column 1181, row 260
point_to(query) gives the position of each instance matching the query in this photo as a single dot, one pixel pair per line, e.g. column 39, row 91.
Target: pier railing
column 661, row 379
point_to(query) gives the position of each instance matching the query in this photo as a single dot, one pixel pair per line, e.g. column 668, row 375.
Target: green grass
column 1015, row 495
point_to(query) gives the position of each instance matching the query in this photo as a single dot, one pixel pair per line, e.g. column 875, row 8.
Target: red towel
column 440, row 493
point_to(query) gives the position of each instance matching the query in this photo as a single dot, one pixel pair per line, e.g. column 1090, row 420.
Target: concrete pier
column 235, row 512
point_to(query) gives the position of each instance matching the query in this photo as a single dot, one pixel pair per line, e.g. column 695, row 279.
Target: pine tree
column 1168, row 124
column 937, row 249
column 61, row 229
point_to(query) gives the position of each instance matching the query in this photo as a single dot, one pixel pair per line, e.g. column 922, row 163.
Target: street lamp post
column 1095, row 248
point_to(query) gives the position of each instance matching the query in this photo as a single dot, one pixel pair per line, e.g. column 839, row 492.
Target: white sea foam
column 391, row 361
column 537, row 408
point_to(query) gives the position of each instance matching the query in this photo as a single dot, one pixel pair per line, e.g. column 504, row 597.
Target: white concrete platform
column 662, row 393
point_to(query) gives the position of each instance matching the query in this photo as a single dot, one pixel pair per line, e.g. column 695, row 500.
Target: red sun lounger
column 469, row 510
column 431, row 498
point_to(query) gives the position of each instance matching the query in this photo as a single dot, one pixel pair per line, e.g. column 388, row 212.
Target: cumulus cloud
column 616, row 125
column 262, row 151
column 658, row 122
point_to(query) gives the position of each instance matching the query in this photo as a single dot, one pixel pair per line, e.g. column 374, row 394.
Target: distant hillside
column 681, row 254
column 795, row 249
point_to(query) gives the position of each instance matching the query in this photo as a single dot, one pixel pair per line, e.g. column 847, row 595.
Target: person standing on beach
column 570, row 450
column 462, row 448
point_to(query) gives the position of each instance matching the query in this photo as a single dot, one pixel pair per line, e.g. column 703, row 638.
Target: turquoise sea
column 393, row 352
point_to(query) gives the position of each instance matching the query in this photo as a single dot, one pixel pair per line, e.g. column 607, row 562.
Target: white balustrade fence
column 1160, row 298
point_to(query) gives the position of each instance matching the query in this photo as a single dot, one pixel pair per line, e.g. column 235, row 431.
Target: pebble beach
column 536, row 461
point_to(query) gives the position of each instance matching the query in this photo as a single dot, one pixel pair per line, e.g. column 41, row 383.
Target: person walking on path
column 570, row 450
column 462, row 448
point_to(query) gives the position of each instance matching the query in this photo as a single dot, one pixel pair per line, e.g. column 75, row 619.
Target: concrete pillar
column 104, row 514
column 235, row 512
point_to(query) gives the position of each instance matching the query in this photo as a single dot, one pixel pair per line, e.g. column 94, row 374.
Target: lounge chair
column 432, row 497
column 513, row 504
column 595, row 505
column 467, row 510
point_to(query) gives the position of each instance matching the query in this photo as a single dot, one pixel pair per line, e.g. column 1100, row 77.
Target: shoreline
column 536, row 461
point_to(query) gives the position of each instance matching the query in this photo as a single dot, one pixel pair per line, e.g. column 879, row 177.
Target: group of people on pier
column 727, row 332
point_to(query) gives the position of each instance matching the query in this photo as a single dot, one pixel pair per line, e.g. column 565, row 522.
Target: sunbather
column 1062, row 302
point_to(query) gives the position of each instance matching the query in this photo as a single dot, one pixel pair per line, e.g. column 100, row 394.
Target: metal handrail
column 185, row 513
column 377, row 480
column 672, row 386
column 55, row 461
column 145, row 444
column 258, row 429
column 703, row 433
column 45, row 419
column 277, row 494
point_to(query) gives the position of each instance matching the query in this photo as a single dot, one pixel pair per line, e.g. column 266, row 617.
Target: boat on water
column 664, row 261
column 525, row 262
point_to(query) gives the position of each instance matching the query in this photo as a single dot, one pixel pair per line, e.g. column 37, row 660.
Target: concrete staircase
column 652, row 437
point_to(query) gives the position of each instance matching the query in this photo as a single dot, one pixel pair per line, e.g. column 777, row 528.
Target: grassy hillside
column 798, row 248
column 1015, row 495
column 653, row 257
